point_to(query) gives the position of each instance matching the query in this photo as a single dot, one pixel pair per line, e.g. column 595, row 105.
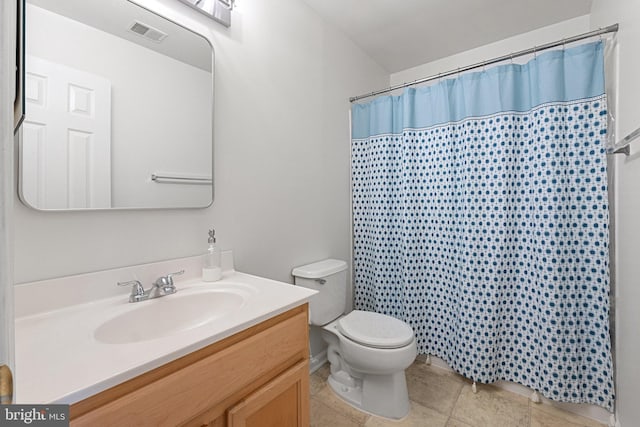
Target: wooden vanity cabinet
column 258, row 377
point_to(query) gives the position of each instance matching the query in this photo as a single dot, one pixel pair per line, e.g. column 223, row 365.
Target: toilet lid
column 375, row 329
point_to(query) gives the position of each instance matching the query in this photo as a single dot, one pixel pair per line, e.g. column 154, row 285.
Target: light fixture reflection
column 219, row 10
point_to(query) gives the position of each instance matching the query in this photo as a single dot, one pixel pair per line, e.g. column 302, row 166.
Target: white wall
column 523, row 41
column 283, row 78
column 156, row 101
column 627, row 14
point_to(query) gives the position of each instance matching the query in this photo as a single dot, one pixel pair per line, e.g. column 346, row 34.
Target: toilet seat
column 375, row 329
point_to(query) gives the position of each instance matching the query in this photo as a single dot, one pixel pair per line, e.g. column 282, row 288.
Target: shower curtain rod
column 610, row 29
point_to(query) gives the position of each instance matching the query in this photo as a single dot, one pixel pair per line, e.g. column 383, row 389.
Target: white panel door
column 66, row 150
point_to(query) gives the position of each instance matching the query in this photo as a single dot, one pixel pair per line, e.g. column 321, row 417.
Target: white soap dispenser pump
column 211, row 269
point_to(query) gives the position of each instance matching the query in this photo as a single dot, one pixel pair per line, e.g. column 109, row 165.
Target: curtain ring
column 535, row 53
column 511, row 58
column 600, row 35
column 564, row 46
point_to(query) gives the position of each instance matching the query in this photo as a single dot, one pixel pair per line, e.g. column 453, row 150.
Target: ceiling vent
column 147, row 31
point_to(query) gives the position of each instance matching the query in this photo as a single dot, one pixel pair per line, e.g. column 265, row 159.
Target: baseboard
column 316, row 361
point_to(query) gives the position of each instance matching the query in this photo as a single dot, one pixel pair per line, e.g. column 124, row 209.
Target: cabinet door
column 283, row 402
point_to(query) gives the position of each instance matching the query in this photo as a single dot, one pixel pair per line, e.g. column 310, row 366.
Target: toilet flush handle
column 321, row 281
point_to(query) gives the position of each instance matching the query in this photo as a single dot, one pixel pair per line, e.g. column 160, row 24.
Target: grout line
column 337, row 411
column 453, row 408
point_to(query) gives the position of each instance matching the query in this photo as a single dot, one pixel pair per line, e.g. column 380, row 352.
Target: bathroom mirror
column 119, row 109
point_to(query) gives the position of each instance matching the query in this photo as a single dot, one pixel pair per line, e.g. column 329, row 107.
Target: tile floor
column 442, row 399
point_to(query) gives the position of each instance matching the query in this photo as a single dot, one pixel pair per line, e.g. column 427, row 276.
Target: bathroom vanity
column 228, row 353
column 258, row 377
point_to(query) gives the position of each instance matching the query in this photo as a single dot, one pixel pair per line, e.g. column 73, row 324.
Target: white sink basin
column 159, row 317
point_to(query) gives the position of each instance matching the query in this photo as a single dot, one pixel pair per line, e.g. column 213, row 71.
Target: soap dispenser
column 211, row 270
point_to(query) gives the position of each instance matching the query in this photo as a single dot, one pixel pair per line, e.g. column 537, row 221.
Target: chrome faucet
column 161, row 287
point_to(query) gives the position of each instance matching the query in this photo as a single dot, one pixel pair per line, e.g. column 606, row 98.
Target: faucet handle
column 165, row 283
column 137, row 290
column 177, row 273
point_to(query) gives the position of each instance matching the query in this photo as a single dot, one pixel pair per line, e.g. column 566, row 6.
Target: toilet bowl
column 368, row 352
column 365, row 372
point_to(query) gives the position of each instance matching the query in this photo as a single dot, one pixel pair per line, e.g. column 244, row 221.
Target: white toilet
column 368, row 351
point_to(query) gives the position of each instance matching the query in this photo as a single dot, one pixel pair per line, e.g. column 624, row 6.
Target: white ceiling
column 400, row 34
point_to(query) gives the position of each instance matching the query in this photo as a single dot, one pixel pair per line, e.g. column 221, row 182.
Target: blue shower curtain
column 480, row 217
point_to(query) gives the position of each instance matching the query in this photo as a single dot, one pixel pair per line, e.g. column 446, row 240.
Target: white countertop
column 59, row 360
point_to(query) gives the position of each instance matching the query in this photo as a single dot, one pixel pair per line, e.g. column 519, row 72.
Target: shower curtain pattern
column 488, row 232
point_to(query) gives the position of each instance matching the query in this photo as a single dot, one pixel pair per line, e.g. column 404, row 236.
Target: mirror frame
column 19, row 101
column 133, row 208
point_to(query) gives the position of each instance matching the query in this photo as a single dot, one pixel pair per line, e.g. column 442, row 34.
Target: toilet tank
column 329, row 278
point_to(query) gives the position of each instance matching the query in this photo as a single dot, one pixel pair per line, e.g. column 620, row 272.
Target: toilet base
column 381, row 395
